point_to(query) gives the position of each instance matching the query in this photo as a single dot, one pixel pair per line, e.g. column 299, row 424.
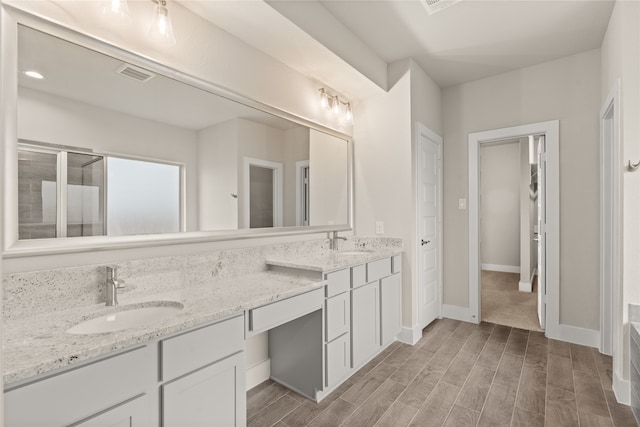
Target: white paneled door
column 429, row 180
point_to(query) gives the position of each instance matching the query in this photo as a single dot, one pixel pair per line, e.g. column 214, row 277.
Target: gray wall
column 568, row 90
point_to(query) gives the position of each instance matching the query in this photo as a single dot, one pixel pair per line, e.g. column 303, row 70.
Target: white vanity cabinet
column 191, row 378
column 105, row 392
column 337, row 345
column 391, row 303
column 204, row 376
column 365, row 307
column 363, row 313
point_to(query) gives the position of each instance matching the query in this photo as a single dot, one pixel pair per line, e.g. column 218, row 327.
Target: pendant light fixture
column 116, row 11
column 161, row 29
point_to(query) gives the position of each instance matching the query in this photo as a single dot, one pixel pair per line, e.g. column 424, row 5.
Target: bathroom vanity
column 326, row 316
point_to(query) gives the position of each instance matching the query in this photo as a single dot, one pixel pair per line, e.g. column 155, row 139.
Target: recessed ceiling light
column 34, row 74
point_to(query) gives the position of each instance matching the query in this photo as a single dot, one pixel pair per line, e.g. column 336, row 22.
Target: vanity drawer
column 65, row 398
column 376, row 270
column 396, row 263
column 337, row 282
column 338, row 315
column 197, row 348
column 358, row 275
column 269, row 316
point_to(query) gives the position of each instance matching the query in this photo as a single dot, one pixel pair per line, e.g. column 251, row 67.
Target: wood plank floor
column 458, row 375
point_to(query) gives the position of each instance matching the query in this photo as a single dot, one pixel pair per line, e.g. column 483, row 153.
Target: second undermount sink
column 128, row 316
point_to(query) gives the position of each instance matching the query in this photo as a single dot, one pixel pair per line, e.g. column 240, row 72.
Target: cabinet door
column 338, row 360
column 365, row 319
column 211, row 396
column 338, row 316
column 133, row 413
column 390, row 307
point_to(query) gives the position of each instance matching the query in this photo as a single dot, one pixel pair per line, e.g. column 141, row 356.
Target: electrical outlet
column 379, row 227
column 462, row 204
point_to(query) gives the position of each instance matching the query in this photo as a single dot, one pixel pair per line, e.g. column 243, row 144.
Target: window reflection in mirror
column 71, row 194
column 85, row 101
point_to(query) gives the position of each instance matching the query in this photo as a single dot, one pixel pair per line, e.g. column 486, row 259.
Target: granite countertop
column 39, row 344
column 328, row 261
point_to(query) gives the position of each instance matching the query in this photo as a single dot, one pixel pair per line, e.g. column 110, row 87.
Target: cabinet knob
column 423, row 242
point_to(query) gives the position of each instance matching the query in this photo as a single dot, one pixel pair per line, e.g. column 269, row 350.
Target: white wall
column 567, row 89
column 328, row 186
column 500, row 204
column 384, row 151
column 48, row 118
column 620, row 59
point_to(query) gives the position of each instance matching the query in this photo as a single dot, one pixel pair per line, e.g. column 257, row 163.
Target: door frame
column 431, row 135
column 300, row 165
column 277, row 189
column 551, row 130
column 610, row 226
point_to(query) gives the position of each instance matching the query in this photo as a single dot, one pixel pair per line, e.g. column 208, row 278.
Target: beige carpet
column 504, row 304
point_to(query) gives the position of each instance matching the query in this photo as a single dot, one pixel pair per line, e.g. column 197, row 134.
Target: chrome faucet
column 333, row 240
column 113, row 285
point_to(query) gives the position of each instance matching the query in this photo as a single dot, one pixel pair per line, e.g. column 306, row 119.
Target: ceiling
column 470, row 40
column 474, row 39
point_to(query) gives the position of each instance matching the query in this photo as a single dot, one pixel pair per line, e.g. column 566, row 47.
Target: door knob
column 423, row 242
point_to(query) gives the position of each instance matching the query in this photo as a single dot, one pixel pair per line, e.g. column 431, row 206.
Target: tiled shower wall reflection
column 36, row 195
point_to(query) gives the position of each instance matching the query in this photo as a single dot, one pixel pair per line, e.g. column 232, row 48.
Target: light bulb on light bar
column 324, row 98
column 336, row 105
column 348, row 112
column 34, row 74
column 116, row 11
column 161, row 29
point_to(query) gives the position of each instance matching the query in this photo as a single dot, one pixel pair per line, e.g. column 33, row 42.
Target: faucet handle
column 112, row 272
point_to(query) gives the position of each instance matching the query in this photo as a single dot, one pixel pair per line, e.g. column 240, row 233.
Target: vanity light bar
column 160, row 30
column 335, row 104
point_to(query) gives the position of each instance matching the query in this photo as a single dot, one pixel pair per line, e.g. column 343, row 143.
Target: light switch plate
column 462, row 204
column 379, row 227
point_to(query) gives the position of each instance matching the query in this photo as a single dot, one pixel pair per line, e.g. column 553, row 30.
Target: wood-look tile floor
column 458, row 375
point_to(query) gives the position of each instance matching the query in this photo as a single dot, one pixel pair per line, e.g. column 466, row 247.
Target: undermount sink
column 355, row 252
column 131, row 316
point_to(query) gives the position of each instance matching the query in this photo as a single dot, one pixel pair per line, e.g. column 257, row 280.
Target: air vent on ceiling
column 434, row 6
column 135, row 73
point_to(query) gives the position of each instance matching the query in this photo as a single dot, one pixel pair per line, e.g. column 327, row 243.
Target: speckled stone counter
column 39, row 344
column 329, row 261
column 325, row 261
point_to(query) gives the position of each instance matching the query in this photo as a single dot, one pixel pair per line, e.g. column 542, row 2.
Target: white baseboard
column 576, row 335
column 410, row 335
column 458, row 313
column 621, row 389
column 525, row 286
column 258, row 373
column 501, row 268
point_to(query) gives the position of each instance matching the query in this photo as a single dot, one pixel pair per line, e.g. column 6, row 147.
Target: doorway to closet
column 538, row 141
column 509, row 232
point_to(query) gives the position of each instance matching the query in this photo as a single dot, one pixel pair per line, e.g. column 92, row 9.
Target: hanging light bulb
column 348, row 112
column 161, row 29
column 116, row 11
column 324, row 98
